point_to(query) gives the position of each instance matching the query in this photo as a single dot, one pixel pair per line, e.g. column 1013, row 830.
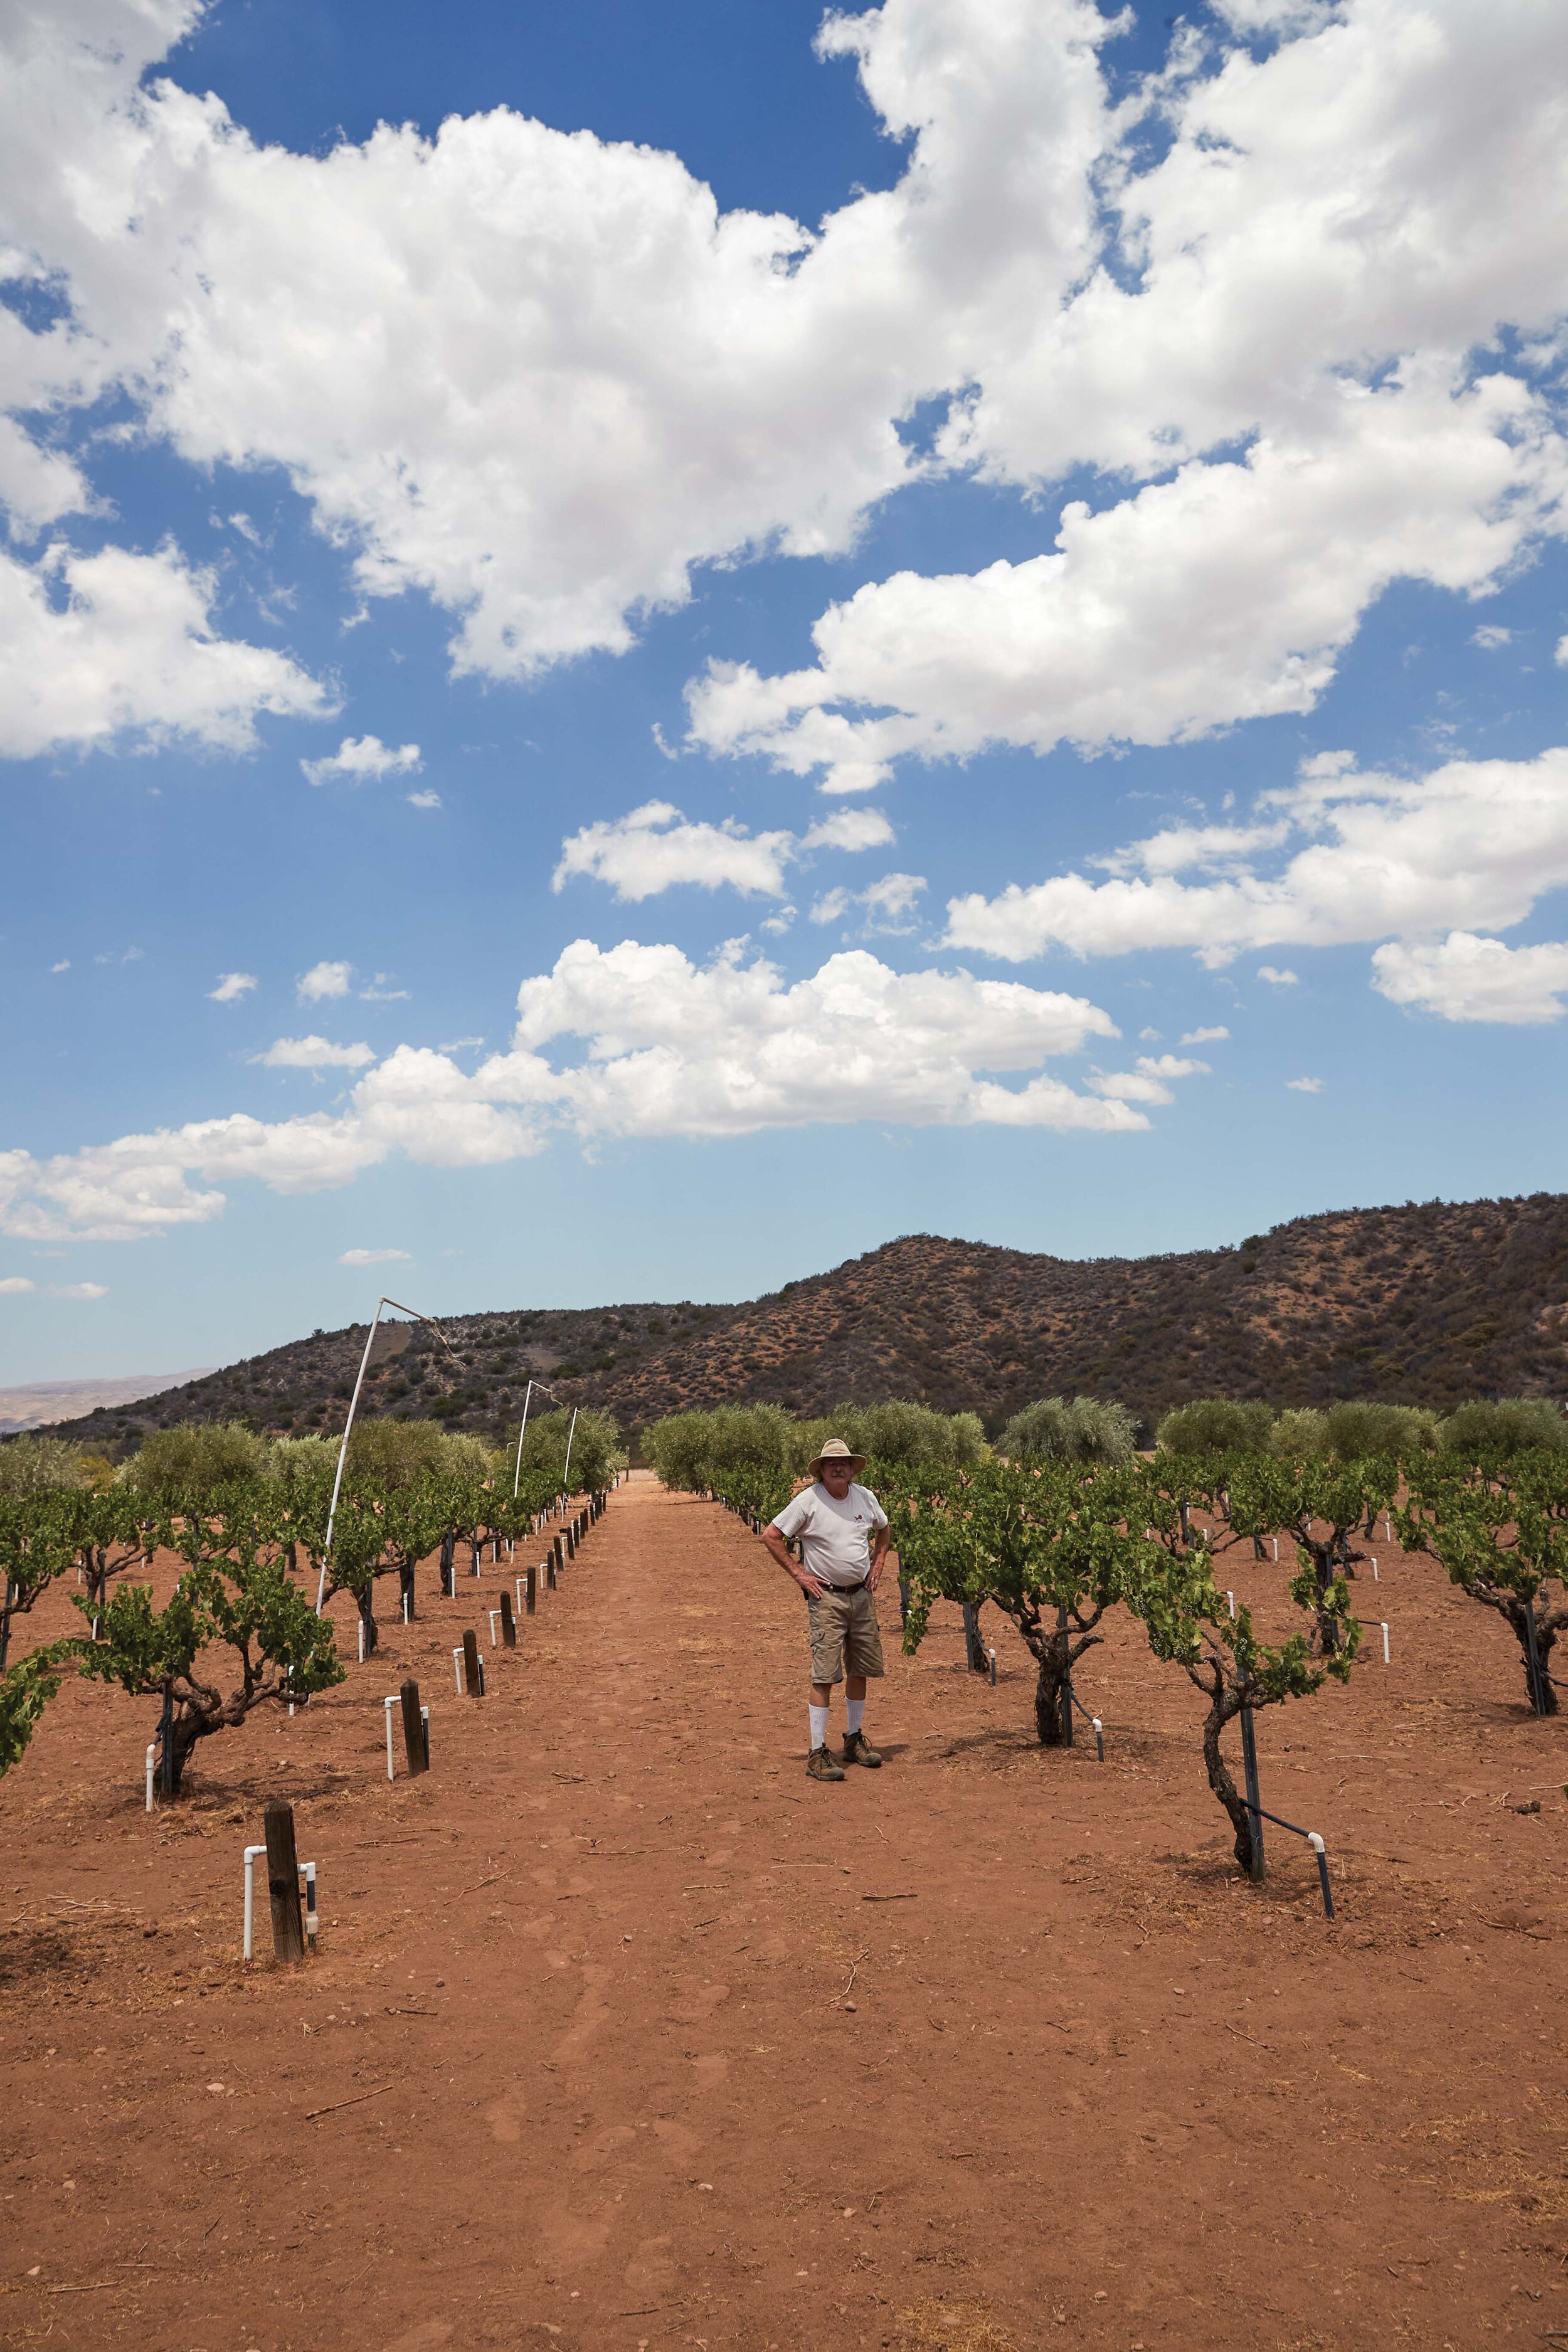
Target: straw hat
column 837, row 1451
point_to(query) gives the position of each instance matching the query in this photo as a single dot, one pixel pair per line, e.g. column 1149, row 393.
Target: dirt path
column 654, row 2044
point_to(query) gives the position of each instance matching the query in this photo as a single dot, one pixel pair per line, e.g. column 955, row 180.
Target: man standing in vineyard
column 843, row 1532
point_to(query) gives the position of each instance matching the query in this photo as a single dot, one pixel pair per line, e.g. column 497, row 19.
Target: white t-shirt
column 834, row 1538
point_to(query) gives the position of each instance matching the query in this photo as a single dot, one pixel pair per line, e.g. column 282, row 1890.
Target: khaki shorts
column 843, row 1635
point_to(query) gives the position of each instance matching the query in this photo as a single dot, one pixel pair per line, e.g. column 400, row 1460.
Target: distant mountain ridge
column 1428, row 1303
column 37, row 1403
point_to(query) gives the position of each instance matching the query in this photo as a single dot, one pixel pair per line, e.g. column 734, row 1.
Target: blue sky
column 888, row 582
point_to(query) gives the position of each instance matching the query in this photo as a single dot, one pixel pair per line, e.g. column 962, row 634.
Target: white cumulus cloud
column 231, row 987
column 646, row 1043
column 133, row 652
column 726, row 1048
column 656, row 847
column 1463, row 978
column 540, row 376
column 15, row 1284
column 1471, row 845
column 1305, row 1086
column 1147, row 1081
column 361, row 758
column 1225, row 594
column 78, row 1290
column 374, row 1258
column 324, row 979
column 314, row 1053
column 888, row 904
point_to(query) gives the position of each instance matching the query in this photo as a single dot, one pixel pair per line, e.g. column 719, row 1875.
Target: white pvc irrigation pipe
column 544, row 1390
column 1384, row 1642
column 307, row 1872
column 354, row 1405
column 387, row 1706
column 151, row 1752
column 250, row 1854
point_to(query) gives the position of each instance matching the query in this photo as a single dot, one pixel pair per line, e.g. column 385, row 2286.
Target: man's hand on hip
column 812, row 1586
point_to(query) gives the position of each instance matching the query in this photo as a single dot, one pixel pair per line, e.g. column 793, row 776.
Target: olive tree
column 1088, row 1429
column 194, row 1457
column 892, row 1432
column 1210, row 1426
column 42, row 1465
column 1482, row 1431
column 595, row 1448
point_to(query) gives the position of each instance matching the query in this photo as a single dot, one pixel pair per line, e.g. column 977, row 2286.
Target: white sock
column 854, row 1708
column 819, row 1726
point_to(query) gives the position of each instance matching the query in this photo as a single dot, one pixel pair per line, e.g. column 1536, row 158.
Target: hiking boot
column 820, row 1765
column 857, row 1749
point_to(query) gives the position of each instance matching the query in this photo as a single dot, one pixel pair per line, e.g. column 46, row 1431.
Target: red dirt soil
column 624, row 2034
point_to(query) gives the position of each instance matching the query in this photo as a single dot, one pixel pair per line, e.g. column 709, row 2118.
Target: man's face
column 835, row 1477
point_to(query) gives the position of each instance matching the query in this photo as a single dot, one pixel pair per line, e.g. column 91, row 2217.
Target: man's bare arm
column 878, row 1550
column 787, row 1562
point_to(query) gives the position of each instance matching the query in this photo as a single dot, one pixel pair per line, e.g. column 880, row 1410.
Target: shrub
column 1356, row 1430
column 195, row 1455
column 678, row 1449
column 1301, row 1435
column 1090, row 1429
column 1479, row 1431
column 893, row 1432
column 596, row 1451
column 1215, row 1425
column 41, row 1465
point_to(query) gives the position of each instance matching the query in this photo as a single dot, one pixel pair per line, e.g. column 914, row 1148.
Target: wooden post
column 283, row 1880
column 558, row 1553
column 413, row 1729
column 571, row 1538
column 550, row 1573
column 471, row 1665
column 529, row 1590
column 507, row 1623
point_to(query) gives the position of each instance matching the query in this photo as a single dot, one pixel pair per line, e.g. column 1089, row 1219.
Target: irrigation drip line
column 1094, row 1720
column 1313, row 1840
column 1277, row 1819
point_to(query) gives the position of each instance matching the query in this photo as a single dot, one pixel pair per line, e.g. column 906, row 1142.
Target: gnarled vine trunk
column 1223, row 1707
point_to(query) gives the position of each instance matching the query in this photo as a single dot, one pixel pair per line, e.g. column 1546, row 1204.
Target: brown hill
column 1426, row 1304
